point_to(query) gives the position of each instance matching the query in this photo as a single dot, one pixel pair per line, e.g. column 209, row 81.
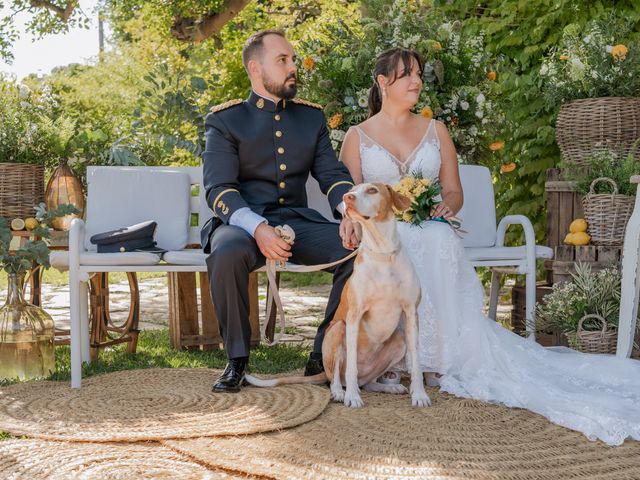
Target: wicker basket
column 604, row 341
column 21, row 188
column 593, row 124
column 607, row 214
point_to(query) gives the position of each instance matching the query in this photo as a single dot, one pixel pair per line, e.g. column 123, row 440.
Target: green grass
column 154, row 351
column 54, row 277
column 295, row 280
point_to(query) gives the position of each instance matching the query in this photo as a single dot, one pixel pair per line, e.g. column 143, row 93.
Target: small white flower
column 544, row 69
column 334, row 144
column 576, row 62
column 464, row 105
column 479, row 114
column 337, row 135
column 609, row 48
column 363, row 102
column 473, row 130
column 480, row 99
column 24, row 91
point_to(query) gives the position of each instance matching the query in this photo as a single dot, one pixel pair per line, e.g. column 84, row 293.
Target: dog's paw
column 397, row 389
column 420, row 399
column 353, row 400
column 337, row 395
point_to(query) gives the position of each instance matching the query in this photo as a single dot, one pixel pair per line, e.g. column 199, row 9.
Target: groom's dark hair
column 254, row 45
column 387, row 65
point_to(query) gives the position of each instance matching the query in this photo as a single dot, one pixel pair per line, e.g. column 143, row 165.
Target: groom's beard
column 282, row 90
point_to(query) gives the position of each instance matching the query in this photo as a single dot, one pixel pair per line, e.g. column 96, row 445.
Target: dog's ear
column 399, row 201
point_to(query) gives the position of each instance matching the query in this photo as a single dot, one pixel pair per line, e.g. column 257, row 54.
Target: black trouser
column 235, row 254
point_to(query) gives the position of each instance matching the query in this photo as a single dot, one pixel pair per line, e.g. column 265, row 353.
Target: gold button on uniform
column 282, row 184
column 280, row 150
column 283, row 167
column 281, row 200
column 260, row 103
column 277, row 117
column 278, row 133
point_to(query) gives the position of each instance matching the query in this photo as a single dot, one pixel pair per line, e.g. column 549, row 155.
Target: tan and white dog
column 367, row 336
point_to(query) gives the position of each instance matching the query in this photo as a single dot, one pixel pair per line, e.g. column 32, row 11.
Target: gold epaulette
column 225, row 105
column 302, row 101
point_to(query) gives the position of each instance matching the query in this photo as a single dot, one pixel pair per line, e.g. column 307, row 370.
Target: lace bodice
column 379, row 165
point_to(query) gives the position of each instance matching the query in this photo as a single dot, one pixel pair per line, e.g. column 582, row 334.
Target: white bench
column 120, row 196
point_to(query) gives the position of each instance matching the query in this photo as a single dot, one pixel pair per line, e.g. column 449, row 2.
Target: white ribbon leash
column 273, row 294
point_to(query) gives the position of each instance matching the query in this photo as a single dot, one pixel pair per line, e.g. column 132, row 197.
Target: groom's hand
column 272, row 246
column 350, row 233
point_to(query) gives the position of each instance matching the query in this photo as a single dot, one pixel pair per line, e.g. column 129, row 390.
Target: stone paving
column 304, row 306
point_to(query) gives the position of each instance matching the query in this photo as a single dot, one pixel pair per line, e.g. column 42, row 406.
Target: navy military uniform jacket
column 259, row 155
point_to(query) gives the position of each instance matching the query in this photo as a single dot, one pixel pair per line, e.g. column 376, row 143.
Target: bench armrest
column 529, row 234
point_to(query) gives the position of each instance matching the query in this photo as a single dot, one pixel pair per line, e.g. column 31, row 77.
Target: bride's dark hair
column 387, row 64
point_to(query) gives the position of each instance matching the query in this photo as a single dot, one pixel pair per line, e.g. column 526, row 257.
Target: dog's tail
column 318, row 379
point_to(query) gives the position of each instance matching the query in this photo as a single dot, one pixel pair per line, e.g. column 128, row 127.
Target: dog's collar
column 382, row 256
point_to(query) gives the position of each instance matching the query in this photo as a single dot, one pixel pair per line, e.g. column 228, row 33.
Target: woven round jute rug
column 388, row 439
column 40, row 459
column 152, row 404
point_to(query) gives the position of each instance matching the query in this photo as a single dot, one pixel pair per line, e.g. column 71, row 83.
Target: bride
column 472, row 355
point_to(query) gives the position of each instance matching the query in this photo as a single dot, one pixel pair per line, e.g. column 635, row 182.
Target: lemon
column 581, row 238
column 17, row 224
column 569, row 239
column 578, row 225
column 31, row 223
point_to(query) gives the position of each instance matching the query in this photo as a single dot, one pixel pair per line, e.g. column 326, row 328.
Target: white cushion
column 505, row 253
column 185, row 257
column 478, row 213
column 121, row 196
column 60, row 260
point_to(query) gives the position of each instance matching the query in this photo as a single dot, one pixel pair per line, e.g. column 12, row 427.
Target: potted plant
column 608, row 196
column 593, row 73
column 26, row 331
column 585, row 309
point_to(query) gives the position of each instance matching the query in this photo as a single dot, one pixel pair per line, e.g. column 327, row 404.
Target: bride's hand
column 442, row 210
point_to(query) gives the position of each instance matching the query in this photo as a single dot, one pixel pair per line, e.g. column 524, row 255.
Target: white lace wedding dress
column 598, row 395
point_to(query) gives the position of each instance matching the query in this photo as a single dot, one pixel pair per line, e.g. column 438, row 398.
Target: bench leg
column 494, row 293
column 84, row 321
column 76, row 329
column 530, row 302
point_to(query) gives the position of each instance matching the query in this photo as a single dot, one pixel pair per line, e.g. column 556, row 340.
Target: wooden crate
column 185, row 331
column 565, row 257
column 563, row 206
column 518, row 298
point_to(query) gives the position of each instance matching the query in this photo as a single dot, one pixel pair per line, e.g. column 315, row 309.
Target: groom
column 259, row 153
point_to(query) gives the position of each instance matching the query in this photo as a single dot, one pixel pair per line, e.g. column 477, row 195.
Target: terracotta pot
column 64, row 187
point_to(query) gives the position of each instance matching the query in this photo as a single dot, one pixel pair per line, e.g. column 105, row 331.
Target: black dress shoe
column 232, row 378
column 314, row 366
